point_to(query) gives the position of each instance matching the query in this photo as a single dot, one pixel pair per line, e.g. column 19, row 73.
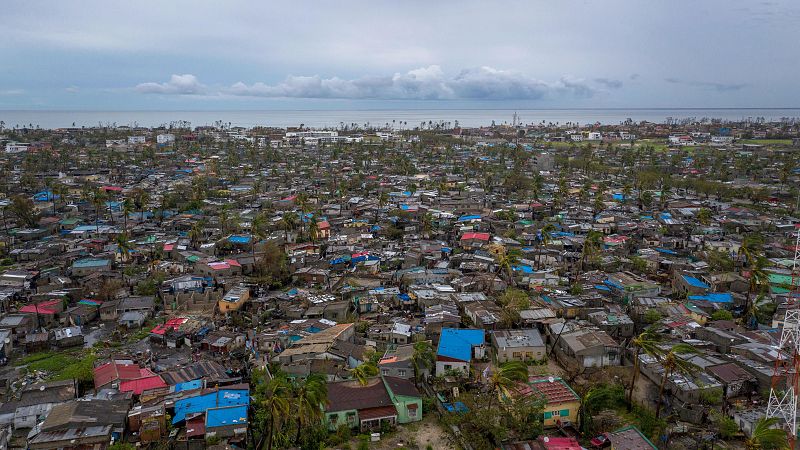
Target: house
column 629, row 438
column 587, row 348
column 112, row 373
column 132, row 319
column 68, row 337
column 87, row 266
column 234, row 299
column 397, row 363
column 457, row 347
column 518, row 345
column 561, row 403
column 366, row 407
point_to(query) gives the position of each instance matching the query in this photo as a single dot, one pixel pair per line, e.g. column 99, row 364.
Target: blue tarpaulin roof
column 223, row 417
column 523, row 269
column 469, row 217
column 457, row 343
column 715, row 297
column 238, row 239
column 202, row 403
column 666, row 251
column 189, row 385
column 694, row 282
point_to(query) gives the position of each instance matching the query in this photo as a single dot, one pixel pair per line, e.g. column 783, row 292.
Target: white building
column 595, row 136
column 166, row 138
column 137, row 139
column 114, row 142
column 17, row 147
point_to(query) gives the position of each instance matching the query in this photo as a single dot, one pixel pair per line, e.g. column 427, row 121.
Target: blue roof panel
column 457, row 343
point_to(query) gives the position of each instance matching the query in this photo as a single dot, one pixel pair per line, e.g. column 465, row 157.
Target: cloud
column 12, row 92
column 425, row 83
column 186, row 84
column 708, row 85
column 72, row 89
column 609, row 83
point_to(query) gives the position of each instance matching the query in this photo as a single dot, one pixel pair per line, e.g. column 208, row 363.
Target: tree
column 766, row 435
column 646, row 343
column 598, row 398
column 704, row 216
column 422, row 359
column 124, row 246
column 273, row 266
column 277, row 405
column 672, row 362
column 127, row 209
column 592, row 246
column 22, row 208
column 506, row 376
column 722, row 314
column 505, row 260
column 309, row 396
column 288, row 222
column 363, row 372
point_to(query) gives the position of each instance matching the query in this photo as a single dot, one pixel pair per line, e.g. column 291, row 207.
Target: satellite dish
column 546, row 439
column 41, row 388
column 551, row 379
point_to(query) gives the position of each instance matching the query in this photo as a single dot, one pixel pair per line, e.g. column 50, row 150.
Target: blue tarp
column 694, row 282
column 618, row 197
column 523, row 269
column 600, row 287
column 223, row 417
column 457, row 343
column 189, row 385
column 666, row 251
column 714, row 297
column 238, row 239
column 467, row 218
column 202, row 403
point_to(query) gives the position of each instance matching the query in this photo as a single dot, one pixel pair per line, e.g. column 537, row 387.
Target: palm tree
column 258, row 231
column 766, row 435
column 422, row 359
column 646, row 342
column 124, row 246
column 506, row 260
column 127, row 209
column 591, row 247
column 309, row 396
column 546, row 231
column 672, row 362
column 98, row 199
column 506, row 376
column 196, row 233
column 313, row 230
column 363, row 372
column 277, row 405
column 755, row 309
column 288, row 222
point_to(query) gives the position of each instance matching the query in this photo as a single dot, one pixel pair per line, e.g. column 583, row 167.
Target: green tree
column 672, row 362
column 23, row 209
column 506, row 376
column 363, row 372
column 309, row 396
column 645, row 343
column 767, row 435
column 423, row 359
column 722, row 314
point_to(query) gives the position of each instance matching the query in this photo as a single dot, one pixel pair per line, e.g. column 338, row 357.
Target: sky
column 213, row 55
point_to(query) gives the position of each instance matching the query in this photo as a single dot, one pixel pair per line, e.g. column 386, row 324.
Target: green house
column 382, row 400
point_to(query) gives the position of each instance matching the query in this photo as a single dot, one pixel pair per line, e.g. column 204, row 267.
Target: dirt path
column 418, row 436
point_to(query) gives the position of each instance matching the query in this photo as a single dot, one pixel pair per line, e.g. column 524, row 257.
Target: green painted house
column 382, row 400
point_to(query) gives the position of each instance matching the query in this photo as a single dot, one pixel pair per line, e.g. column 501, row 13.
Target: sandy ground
column 417, row 436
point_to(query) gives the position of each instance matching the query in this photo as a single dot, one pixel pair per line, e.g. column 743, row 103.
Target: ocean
column 409, row 118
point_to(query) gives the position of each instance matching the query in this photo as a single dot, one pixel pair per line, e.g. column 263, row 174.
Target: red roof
column 46, row 307
column 172, row 324
column 111, row 371
column 323, row 225
column 196, row 426
column 478, row 236
column 233, row 263
column 168, row 247
column 376, row 413
column 112, row 188
column 140, row 385
column 560, row 443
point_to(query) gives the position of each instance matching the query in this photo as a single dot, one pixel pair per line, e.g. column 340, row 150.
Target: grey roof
column 518, row 338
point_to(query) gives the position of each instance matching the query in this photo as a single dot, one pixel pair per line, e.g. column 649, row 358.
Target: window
column 385, row 372
column 564, row 413
column 401, row 373
column 412, row 411
column 547, row 415
column 334, row 418
column 517, row 355
column 448, row 367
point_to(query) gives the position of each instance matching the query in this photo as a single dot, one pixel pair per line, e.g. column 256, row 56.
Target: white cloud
column 425, row 83
column 12, row 92
column 186, row 84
